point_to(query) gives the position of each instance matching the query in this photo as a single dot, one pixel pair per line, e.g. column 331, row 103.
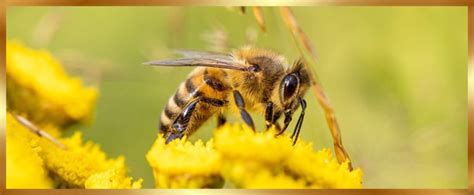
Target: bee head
column 294, row 85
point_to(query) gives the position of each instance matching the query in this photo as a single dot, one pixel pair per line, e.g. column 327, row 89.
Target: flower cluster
column 184, row 164
column 245, row 159
column 25, row 168
column 58, row 98
column 80, row 165
column 41, row 91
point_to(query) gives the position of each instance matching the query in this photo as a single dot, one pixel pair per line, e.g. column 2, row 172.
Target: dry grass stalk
column 307, row 51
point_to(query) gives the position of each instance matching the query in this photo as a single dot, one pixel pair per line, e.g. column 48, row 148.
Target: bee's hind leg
column 172, row 136
column 180, row 124
column 239, row 101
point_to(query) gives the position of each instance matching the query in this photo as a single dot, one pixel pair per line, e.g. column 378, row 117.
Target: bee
column 247, row 79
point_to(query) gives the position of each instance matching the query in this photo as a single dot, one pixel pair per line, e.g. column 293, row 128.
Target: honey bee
column 247, row 79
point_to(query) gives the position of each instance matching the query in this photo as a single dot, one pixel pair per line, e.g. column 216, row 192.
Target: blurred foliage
column 39, row 88
column 396, row 77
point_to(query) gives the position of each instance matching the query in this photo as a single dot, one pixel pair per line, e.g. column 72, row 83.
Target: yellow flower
column 267, row 180
column 320, row 169
column 182, row 164
column 112, row 178
column 261, row 160
column 38, row 87
column 78, row 163
column 73, row 166
column 239, row 141
column 246, row 159
column 25, row 168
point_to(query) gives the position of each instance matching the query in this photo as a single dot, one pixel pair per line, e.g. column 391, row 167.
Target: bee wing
column 204, row 54
column 199, row 58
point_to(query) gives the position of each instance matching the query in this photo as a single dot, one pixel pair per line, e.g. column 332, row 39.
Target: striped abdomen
column 210, row 86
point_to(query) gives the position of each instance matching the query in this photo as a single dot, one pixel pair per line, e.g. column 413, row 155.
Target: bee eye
column 289, row 86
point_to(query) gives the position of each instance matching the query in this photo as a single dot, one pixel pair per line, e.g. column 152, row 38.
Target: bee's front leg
column 277, row 116
column 287, row 121
column 297, row 130
column 221, row 120
column 271, row 117
column 269, row 114
column 239, row 101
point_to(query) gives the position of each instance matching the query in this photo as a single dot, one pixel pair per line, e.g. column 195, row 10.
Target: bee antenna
column 297, row 65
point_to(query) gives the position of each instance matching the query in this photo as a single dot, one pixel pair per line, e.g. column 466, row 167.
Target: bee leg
column 287, row 121
column 277, row 126
column 180, row 124
column 269, row 115
column 275, row 122
column 172, row 136
column 221, row 120
column 239, row 101
column 300, row 121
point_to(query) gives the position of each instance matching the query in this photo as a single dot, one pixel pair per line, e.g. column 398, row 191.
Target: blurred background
column 396, row 76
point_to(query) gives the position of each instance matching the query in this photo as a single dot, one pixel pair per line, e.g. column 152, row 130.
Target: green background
column 396, row 76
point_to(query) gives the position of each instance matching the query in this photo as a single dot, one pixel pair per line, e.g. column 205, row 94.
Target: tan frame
column 4, row 4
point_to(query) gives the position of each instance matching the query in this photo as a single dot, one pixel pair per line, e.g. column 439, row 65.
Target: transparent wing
column 199, row 58
column 204, row 54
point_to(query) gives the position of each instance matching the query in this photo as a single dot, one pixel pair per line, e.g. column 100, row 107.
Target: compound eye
column 289, row 86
